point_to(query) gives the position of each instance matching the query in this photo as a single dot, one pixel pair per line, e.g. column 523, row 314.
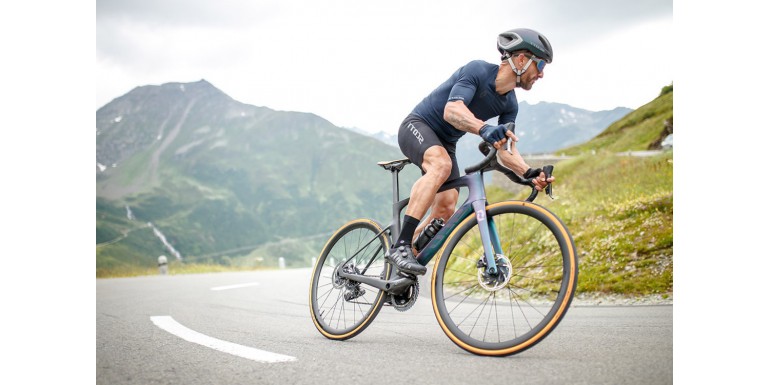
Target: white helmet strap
column 518, row 72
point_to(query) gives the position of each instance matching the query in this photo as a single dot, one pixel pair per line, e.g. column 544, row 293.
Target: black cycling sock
column 407, row 231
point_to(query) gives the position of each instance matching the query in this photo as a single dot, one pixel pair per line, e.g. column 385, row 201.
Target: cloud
column 181, row 13
column 365, row 64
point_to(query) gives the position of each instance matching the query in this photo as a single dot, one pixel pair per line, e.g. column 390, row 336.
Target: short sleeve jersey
column 474, row 85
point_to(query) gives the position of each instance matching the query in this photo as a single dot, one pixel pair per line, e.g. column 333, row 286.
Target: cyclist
column 475, row 93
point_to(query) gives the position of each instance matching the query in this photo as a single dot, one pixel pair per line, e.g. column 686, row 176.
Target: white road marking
column 170, row 325
column 238, row 286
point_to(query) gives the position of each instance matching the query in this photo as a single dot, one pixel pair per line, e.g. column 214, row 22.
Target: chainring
column 404, row 301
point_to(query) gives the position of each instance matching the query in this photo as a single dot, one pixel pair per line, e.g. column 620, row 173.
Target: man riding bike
column 475, row 93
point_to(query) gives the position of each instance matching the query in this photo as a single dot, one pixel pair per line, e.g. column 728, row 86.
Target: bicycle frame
column 475, row 203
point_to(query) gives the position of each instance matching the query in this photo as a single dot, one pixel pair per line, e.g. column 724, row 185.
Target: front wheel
column 341, row 308
column 518, row 307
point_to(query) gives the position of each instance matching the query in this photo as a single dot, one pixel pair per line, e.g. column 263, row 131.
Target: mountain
column 183, row 169
column 643, row 129
column 541, row 128
column 219, row 178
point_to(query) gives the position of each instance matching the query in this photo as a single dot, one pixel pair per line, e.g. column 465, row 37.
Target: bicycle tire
column 358, row 237
column 543, row 275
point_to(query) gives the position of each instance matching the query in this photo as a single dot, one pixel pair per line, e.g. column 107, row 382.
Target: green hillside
column 221, row 179
column 234, row 193
column 639, row 130
column 619, row 208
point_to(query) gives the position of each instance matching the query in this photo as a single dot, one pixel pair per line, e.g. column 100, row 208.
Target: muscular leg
column 437, row 166
column 427, row 150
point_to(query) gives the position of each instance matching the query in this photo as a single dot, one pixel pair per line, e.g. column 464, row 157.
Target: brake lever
column 548, row 170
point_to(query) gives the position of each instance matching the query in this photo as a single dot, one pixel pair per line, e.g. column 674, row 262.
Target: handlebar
column 484, row 163
column 490, row 162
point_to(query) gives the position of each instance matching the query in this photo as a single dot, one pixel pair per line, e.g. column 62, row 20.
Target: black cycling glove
column 532, row 173
column 492, row 134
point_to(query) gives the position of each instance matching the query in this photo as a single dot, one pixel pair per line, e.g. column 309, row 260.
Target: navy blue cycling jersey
column 474, row 84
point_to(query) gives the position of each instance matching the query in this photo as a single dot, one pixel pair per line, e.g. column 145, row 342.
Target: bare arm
column 514, row 162
column 461, row 118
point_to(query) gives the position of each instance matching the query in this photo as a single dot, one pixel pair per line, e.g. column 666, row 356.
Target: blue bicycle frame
column 475, row 203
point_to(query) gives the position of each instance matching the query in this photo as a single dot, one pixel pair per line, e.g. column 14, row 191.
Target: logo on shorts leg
column 416, row 133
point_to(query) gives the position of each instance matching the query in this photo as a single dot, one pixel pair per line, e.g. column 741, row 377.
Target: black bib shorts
column 415, row 137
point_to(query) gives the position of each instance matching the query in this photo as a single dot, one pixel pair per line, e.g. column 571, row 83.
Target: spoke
column 333, row 308
column 460, row 303
column 456, row 282
column 458, row 293
column 461, row 272
column 489, row 317
column 532, row 292
column 480, row 313
column 328, row 293
column 363, row 314
column 528, row 303
column 553, row 280
column 513, row 319
column 497, row 317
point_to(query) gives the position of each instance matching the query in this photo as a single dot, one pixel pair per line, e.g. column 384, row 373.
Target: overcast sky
column 363, row 65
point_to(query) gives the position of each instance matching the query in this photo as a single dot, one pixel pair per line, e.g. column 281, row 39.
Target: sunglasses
column 540, row 63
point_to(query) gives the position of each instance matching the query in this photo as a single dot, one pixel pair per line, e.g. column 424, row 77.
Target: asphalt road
column 178, row 329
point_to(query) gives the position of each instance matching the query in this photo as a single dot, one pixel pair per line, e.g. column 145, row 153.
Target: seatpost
column 396, row 226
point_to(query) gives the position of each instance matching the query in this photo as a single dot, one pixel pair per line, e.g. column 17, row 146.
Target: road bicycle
column 505, row 276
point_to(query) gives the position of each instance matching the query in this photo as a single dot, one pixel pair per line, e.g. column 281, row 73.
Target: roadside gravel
column 591, row 299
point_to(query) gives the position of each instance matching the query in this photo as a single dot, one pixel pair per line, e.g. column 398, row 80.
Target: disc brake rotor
column 499, row 281
column 338, row 281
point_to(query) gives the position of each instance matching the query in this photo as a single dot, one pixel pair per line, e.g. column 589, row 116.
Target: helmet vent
column 545, row 42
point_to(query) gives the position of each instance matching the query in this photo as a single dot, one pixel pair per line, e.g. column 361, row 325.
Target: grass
column 635, row 132
column 174, row 268
column 619, row 210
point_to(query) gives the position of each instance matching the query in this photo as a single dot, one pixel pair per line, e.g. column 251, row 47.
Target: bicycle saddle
column 394, row 164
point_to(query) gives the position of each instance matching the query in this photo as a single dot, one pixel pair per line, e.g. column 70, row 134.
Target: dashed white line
column 170, row 325
column 238, row 286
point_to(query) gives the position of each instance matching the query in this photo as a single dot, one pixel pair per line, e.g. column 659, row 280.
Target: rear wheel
column 515, row 309
column 341, row 308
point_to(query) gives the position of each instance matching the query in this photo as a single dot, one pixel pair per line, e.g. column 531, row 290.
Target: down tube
column 435, row 244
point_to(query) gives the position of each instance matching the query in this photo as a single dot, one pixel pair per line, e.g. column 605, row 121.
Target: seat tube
column 480, row 208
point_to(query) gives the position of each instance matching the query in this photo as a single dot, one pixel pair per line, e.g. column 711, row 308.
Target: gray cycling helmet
column 525, row 39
